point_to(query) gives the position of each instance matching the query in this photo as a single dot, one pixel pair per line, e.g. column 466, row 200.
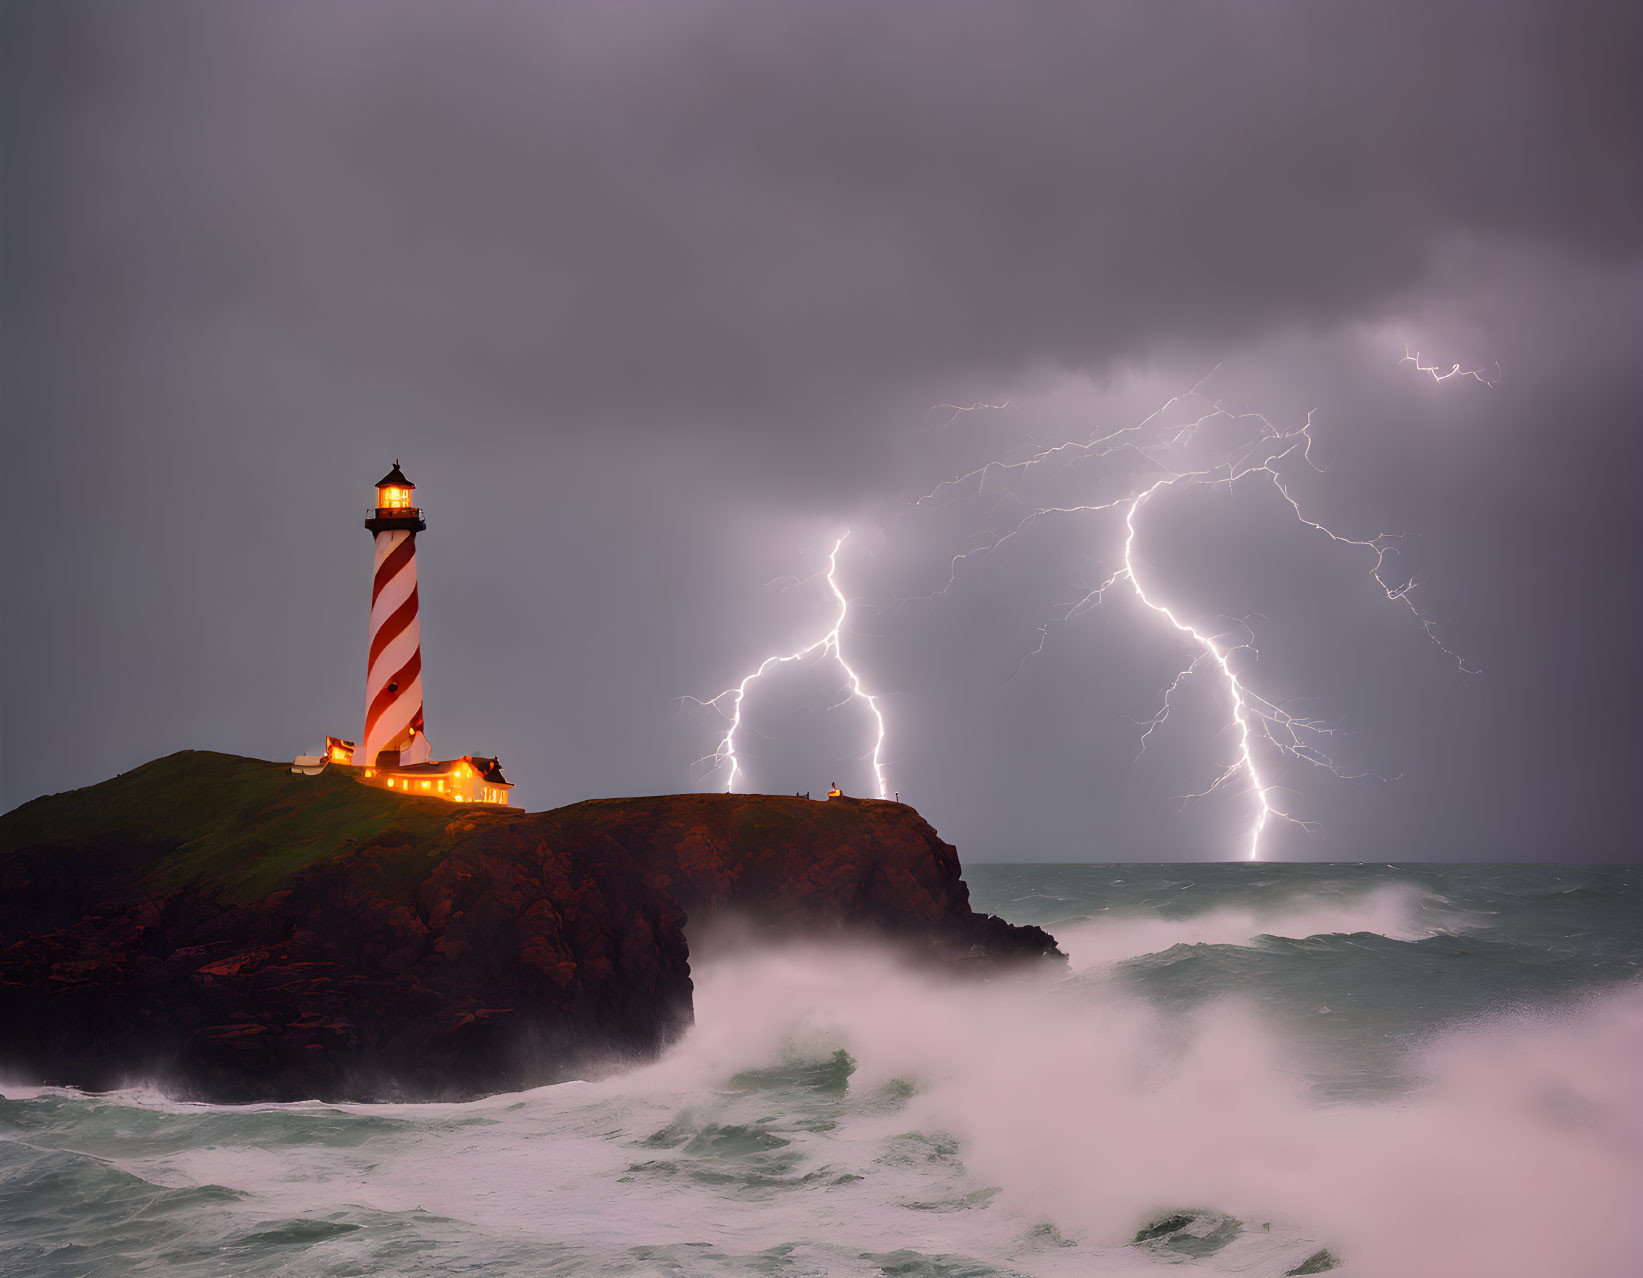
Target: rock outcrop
column 234, row 932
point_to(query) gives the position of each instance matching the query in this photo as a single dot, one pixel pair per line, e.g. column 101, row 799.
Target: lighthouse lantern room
column 393, row 751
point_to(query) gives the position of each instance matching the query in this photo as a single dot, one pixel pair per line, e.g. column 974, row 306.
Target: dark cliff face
column 235, row 932
column 263, row 957
column 782, row 866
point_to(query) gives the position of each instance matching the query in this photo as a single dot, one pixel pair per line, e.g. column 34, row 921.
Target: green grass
column 244, row 826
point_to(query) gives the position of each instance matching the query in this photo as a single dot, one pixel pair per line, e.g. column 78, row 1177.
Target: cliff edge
column 235, row 932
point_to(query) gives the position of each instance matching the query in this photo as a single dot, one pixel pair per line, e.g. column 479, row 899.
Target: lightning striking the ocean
column 1167, row 448
column 830, row 644
column 1256, row 722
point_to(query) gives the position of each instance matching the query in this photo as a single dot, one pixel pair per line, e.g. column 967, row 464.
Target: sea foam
column 1029, row 1123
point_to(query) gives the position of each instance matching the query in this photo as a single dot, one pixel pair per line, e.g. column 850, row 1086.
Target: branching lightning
column 729, row 703
column 1488, row 374
column 1256, row 722
column 1166, row 454
column 959, row 410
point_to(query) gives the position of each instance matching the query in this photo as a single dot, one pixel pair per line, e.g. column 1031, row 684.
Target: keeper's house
column 473, row 778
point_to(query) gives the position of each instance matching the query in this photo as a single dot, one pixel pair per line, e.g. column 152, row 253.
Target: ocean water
column 1386, row 1070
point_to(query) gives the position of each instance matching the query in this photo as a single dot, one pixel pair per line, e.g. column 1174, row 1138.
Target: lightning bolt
column 1257, row 723
column 729, row 703
column 961, row 410
column 1248, row 710
column 1488, row 374
column 1263, row 730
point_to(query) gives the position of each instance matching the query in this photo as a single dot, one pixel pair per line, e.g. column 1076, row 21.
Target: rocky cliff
column 236, row 932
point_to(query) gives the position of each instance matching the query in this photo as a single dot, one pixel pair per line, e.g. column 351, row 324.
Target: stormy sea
column 1388, row 1070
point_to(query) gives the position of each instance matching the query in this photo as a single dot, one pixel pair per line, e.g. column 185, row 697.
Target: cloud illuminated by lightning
column 730, row 702
column 1256, row 722
column 1262, row 729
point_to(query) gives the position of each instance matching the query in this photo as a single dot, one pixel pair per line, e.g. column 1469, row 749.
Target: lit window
column 424, row 785
column 390, row 783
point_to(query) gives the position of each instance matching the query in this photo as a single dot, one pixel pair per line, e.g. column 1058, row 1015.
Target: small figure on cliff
column 835, row 792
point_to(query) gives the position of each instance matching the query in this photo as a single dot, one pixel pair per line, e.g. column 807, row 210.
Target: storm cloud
column 654, row 300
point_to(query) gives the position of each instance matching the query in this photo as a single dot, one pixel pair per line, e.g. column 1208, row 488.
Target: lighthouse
column 393, row 733
column 393, row 753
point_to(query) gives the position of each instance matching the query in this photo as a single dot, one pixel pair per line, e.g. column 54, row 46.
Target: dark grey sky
column 653, row 302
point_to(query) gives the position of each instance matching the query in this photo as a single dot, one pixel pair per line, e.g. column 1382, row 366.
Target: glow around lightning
column 1255, row 722
column 1260, row 728
column 1489, row 376
column 731, row 701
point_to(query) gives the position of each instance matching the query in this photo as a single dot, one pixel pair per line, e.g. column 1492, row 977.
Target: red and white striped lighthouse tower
column 393, row 678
